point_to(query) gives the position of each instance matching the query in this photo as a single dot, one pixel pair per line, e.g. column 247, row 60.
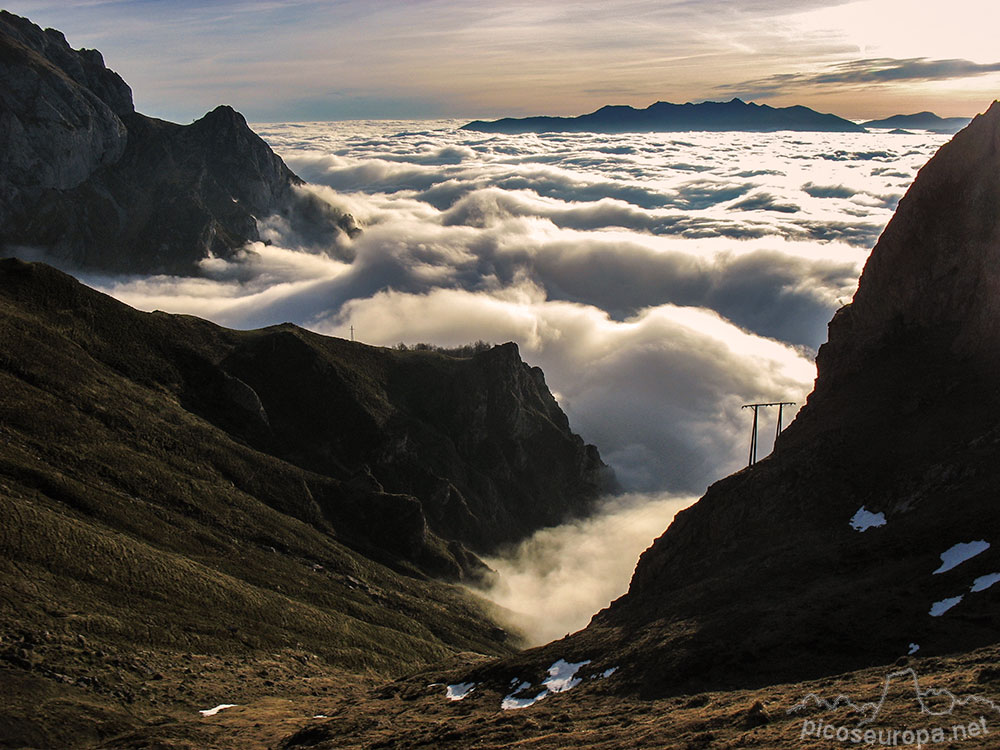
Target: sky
column 315, row 60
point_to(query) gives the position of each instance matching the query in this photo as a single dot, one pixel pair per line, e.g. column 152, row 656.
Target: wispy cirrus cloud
column 880, row 70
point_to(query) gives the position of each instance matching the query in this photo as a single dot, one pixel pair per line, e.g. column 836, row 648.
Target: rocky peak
column 938, row 261
column 98, row 185
column 55, row 130
column 85, row 67
column 929, row 294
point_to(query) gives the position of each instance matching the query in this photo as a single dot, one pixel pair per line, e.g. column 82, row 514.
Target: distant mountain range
column 920, row 121
column 736, row 115
column 666, row 117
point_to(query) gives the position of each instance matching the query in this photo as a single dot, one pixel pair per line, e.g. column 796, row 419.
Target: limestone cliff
column 94, row 183
column 61, row 113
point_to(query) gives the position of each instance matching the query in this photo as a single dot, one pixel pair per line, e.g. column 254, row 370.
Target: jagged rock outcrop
column 772, row 576
column 665, row 117
column 94, row 183
column 60, row 113
column 480, row 440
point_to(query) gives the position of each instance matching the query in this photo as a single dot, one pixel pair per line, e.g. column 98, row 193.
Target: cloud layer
column 552, row 583
column 661, row 281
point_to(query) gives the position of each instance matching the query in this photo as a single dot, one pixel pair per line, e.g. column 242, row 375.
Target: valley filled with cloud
column 661, row 281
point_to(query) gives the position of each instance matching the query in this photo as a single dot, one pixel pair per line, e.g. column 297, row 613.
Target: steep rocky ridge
column 99, row 185
column 61, row 113
column 764, row 579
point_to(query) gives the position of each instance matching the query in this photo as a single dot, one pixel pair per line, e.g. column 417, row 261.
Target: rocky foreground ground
column 147, row 700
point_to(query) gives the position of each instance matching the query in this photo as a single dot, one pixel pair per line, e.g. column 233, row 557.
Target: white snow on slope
column 984, row 582
column 220, row 707
column 959, row 553
column 562, row 677
column 511, row 702
column 864, row 519
column 939, row 608
column 460, row 690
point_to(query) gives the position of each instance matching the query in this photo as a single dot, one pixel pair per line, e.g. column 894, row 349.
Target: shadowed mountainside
column 666, row 117
column 94, row 183
column 403, row 446
column 274, row 496
column 156, row 502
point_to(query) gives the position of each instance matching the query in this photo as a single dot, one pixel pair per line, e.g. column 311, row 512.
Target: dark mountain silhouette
column 666, row 117
column 920, row 121
column 101, row 186
column 764, row 579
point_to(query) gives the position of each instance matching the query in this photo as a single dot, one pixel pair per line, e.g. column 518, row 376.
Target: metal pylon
column 753, row 436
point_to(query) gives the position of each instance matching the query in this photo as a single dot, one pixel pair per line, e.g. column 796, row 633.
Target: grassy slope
column 138, row 525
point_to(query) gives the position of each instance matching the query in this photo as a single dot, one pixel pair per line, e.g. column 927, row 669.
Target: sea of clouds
column 659, row 280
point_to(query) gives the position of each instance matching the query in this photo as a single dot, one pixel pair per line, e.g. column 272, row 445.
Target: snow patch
column 510, row 701
column 864, row 519
column 914, row 647
column 460, row 690
column 562, row 677
column 939, row 608
column 605, row 674
column 959, row 553
column 220, row 707
column 984, row 582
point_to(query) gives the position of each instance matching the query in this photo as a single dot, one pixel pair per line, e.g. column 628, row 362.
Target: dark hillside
column 154, row 502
